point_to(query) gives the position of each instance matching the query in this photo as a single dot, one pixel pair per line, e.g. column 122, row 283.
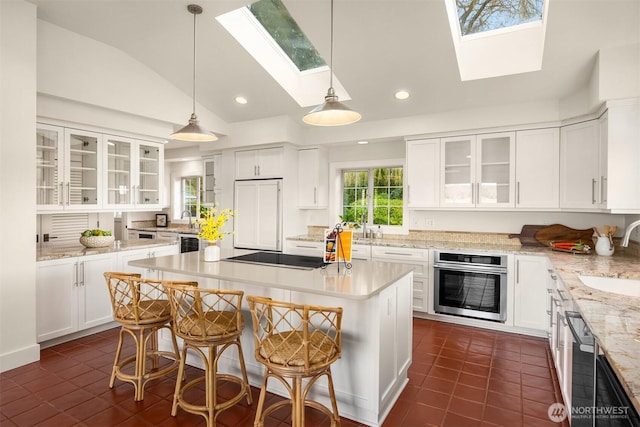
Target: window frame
column 336, row 188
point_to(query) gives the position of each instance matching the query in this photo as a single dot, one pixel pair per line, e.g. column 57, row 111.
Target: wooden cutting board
column 562, row 233
column 527, row 235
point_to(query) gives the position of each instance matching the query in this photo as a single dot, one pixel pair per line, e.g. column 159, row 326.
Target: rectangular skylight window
column 477, row 16
column 276, row 20
column 273, row 38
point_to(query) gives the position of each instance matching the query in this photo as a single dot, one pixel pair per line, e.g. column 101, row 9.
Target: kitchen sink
column 629, row 287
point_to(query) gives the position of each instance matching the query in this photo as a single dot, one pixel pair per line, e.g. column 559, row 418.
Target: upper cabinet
column 67, row 168
column 260, row 163
column 211, row 170
column 133, row 170
column 581, row 174
column 538, row 169
column 88, row 171
column 478, row 171
column 423, row 173
column 313, row 178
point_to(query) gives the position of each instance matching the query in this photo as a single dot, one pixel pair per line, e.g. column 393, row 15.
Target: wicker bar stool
column 142, row 308
column 295, row 342
column 209, row 321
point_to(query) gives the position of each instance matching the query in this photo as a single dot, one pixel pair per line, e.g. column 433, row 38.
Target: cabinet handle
column 561, row 293
column 593, row 191
column 61, row 194
column 408, row 194
column 68, row 193
column 397, row 253
column 517, row 271
column 306, row 246
column 75, row 268
column 603, row 190
column 82, row 274
column 518, row 192
column 315, row 193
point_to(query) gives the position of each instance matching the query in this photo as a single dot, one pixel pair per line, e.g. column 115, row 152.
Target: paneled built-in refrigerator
column 258, row 222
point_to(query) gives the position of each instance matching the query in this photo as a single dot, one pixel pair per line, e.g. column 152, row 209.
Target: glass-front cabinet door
column 49, row 167
column 119, row 189
column 149, row 164
column 496, row 170
column 82, row 169
column 458, row 171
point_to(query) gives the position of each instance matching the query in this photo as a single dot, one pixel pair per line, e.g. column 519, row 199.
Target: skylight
column 273, row 38
column 495, row 38
column 281, row 26
column 477, row 16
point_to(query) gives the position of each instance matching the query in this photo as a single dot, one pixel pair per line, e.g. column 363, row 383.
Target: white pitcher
column 604, row 245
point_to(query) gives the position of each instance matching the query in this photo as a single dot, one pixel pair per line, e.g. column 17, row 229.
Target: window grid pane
column 387, row 201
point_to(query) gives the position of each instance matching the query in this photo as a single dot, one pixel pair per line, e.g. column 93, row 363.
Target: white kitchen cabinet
column 620, row 174
column 68, row 171
column 538, row 169
column 211, row 172
column 133, row 171
column 423, row 173
column 258, row 224
column 530, row 292
column 478, row 171
column 304, row 247
column 419, row 260
column 313, row 178
column 72, row 295
column 260, row 163
column 581, row 174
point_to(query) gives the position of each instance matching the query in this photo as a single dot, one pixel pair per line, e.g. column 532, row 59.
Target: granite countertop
column 614, row 319
column 57, row 252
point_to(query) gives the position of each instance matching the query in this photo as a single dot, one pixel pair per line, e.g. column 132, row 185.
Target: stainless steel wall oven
column 471, row 285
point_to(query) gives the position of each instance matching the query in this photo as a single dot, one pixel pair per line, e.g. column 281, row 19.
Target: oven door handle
column 470, row 269
column 584, row 346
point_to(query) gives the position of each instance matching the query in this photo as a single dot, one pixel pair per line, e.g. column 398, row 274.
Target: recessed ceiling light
column 402, row 94
column 241, row 100
column 363, row 142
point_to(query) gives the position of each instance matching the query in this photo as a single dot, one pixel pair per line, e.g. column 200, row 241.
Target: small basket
column 97, row 241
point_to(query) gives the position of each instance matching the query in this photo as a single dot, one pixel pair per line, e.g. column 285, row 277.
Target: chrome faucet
column 627, row 233
column 188, row 212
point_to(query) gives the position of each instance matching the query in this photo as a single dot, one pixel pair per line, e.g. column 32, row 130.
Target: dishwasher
column 597, row 397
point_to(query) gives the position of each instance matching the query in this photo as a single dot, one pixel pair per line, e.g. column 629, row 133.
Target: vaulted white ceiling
column 381, row 46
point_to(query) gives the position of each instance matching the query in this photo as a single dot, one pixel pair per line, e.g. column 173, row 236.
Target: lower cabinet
column 419, row 259
column 530, row 292
column 72, row 295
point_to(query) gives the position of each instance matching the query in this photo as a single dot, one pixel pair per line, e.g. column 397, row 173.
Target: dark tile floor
column 460, row 376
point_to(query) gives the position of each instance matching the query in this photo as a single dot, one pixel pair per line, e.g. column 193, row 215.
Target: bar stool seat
column 296, row 342
column 142, row 308
column 209, row 321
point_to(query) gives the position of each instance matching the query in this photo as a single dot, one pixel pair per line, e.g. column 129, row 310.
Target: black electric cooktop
column 279, row 260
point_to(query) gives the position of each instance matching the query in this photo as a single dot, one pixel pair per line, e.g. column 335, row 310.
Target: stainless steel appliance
column 188, row 243
column 471, row 285
column 147, row 234
column 597, row 397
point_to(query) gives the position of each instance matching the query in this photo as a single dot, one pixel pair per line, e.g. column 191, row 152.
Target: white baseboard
column 20, row 357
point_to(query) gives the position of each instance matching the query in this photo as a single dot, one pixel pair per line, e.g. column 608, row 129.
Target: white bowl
column 97, row 241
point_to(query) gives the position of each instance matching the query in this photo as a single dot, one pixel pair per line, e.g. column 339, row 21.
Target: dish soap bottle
column 379, row 233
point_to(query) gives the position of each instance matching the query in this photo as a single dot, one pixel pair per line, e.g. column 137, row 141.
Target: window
column 386, row 205
column 190, row 195
column 485, row 15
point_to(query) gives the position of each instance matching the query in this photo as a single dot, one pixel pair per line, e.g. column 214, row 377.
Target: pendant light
column 193, row 131
column 331, row 112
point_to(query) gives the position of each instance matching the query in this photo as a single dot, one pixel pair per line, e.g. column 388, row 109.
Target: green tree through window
column 386, row 187
column 476, row 16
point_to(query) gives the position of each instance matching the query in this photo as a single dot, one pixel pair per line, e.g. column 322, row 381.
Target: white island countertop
column 363, row 280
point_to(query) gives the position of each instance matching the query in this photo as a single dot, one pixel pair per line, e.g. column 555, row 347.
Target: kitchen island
column 376, row 324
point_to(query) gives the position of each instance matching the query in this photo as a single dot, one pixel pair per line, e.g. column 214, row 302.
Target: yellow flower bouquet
column 211, row 224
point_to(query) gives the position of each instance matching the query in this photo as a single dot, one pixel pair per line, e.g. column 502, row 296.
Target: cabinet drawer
column 304, row 248
column 400, row 254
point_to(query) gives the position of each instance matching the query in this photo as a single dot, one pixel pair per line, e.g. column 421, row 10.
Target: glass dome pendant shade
column 331, row 112
column 193, row 131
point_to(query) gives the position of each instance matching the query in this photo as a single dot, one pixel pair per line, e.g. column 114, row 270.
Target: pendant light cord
column 194, row 63
column 331, row 50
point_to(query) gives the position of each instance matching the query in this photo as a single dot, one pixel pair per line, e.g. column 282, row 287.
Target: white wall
column 619, row 72
column 17, row 184
column 93, row 73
